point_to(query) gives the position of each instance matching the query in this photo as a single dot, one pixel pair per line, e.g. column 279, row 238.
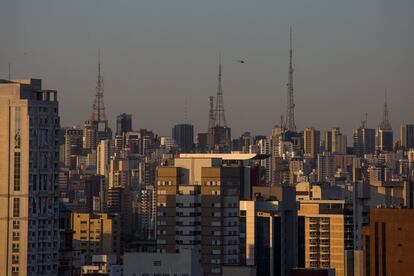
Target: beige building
column 339, row 141
column 103, row 157
column 327, row 233
column 311, row 138
column 29, row 158
column 96, row 234
column 198, row 204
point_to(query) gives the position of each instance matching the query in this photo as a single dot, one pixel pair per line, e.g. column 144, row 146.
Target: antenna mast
column 98, row 113
column 385, row 123
column 290, row 113
column 220, row 119
column 211, row 118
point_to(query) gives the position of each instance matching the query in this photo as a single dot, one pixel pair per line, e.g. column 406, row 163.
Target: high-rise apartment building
column 123, row 123
column 198, row 207
column 103, row 157
column 327, row 233
column 267, row 238
column 327, row 146
column 339, row 141
column 90, row 136
column 407, row 136
column 265, row 147
column 147, row 212
column 311, row 138
column 364, row 141
column 384, row 140
column 72, row 146
column 29, row 160
column 326, row 167
column 183, row 135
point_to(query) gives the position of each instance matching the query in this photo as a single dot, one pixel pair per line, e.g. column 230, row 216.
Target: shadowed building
column 123, row 123
column 183, row 135
column 407, row 136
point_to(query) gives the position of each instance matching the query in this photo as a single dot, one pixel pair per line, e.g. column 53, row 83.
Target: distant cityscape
column 90, row 201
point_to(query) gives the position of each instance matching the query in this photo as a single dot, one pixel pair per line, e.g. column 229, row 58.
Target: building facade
column 29, row 160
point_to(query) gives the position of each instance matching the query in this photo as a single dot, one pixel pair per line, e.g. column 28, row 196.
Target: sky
column 157, row 55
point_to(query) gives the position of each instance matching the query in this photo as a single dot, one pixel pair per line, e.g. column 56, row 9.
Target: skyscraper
column 29, row 161
column 407, row 136
column 327, row 146
column 339, row 141
column 327, row 233
column 73, row 146
column 198, row 207
column 364, row 141
column 326, row 166
column 311, row 138
column 183, row 135
column 123, row 123
column 103, row 156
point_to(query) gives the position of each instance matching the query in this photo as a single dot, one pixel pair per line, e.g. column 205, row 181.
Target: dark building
column 364, row 141
column 407, row 136
column 68, row 255
column 388, row 242
column 183, row 135
column 123, row 123
column 384, row 140
column 72, row 146
column 201, row 142
column 328, row 141
column 220, row 138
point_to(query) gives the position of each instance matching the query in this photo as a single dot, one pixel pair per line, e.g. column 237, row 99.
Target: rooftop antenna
column 9, row 71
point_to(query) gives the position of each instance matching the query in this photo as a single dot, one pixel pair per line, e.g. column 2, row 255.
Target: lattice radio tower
column 98, row 113
column 211, row 119
column 385, row 122
column 220, row 119
column 290, row 112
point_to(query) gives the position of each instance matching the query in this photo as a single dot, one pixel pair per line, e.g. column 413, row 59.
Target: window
column 16, row 207
column 17, row 171
column 16, row 224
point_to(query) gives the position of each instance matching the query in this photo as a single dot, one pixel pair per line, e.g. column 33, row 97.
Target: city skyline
column 211, row 138
column 140, row 70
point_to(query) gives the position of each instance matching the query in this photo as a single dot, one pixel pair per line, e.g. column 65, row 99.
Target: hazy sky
column 157, row 53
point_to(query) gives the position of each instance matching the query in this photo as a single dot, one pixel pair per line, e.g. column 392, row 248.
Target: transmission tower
column 290, row 112
column 211, row 119
column 220, row 119
column 385, row 123
column 98, row 113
